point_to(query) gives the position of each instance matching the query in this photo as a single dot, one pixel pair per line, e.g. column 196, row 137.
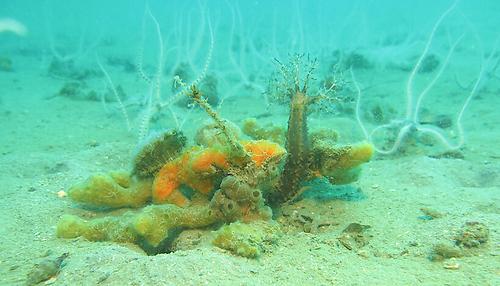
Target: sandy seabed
column 49, row 144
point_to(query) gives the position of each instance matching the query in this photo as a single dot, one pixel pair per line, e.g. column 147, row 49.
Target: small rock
column 92, row 144
column 443, row 251
column 429, row 64
column 431, row 213
column 363, row 253
column 45, row 270
column 451, row 264
column 473, row 234
column 354, row 236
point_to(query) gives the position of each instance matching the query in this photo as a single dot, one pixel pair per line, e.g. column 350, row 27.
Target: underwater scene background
column 249, row 142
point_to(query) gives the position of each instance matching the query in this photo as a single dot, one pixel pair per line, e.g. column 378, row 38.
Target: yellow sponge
column 112, row 190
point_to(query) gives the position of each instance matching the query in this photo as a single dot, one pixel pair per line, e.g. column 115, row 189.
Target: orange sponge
column 206, row 159
column 167, row 180
column 198, row 169
column 262, row 150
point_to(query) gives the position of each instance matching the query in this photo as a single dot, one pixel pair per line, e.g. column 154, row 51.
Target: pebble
column 451, row 264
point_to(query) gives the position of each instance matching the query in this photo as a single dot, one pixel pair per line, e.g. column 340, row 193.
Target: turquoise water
column 301, row 142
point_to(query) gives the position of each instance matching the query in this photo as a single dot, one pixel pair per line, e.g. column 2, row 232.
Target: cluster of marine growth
column 222, row 184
